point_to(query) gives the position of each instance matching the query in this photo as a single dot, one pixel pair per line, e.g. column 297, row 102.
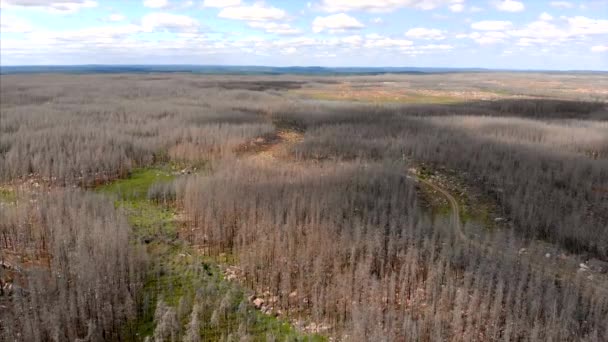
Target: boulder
column 258, row 303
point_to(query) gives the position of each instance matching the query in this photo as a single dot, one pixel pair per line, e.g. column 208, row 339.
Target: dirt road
column 453, row 203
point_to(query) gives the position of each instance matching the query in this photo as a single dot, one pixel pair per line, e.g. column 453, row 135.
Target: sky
column 504, row 34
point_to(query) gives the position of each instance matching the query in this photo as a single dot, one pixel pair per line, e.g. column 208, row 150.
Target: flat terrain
column 457, row 206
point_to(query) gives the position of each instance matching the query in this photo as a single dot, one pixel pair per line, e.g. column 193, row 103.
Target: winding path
column 597, row 282
column 453, row 204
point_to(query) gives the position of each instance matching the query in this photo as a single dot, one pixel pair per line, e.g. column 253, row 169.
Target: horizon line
column 151, row 65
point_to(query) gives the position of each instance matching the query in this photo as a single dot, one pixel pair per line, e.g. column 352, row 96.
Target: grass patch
column 7, row 195
column 149, row 220
column 136, row 186
column 181, row 277
column 481, row 211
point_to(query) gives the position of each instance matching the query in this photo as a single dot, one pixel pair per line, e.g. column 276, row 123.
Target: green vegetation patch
column 478, row 209
column 7, row 195
column 180, row 277
column 137, row 184
column 149, row 220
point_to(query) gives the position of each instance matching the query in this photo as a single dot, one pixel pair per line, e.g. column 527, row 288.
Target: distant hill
column 246, row 70
column 220, row 69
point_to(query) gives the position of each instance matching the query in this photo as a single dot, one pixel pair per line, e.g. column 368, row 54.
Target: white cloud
column 549, row 33
column 104, row 31
column 325, row 54
column 562, row 4
column 184, row 42
column 90, row 37
column 475, row 9
column 297, row 41
column 156, row 3
column 531, row 41
column 289, row 51
column 435, row 47
column 381, row 5
column 540, row 30
column 491, row 25
column 352, row 40
column 221, row 3
column 510, row 6
column 491, row 38
column 278, row 28
column 103, row 44
column 424, row 33
column 336, row 23
column 255, row 12
column 599, row 48
column 486, row 38
column 585, row 26
column 116, row 17
column 378, row 41
column 388, row 43
column 12, row 24
column 169, row 22
column 54, row 6
column 457, row 7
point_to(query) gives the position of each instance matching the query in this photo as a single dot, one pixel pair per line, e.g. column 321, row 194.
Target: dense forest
column 194, row 207
column 75, row 271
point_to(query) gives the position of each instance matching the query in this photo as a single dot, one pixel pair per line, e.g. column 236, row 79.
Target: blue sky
column 514, row 34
